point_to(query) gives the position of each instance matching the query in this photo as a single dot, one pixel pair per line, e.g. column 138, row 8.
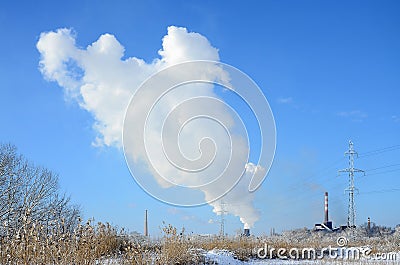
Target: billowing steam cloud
column 102, row 82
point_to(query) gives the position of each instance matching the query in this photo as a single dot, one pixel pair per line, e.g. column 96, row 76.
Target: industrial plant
column 325, row 225
column 351, row 214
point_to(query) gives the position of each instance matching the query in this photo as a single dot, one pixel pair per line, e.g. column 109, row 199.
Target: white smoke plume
column 102, row 82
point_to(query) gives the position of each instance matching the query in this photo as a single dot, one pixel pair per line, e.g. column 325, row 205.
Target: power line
column 380, row 151
column 317, row 175
column 298, row 185
column 384, row 172
column 381, row 191
column 392, row 165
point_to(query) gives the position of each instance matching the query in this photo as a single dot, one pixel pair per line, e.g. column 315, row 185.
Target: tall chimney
column 326, row 207
column 246, row 231
column 146, row 230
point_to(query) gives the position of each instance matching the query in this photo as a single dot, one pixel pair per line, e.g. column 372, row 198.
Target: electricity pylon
column 351, row 216
column 222, row 221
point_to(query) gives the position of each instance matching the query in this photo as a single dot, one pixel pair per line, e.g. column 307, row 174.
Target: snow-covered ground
column 225, row 257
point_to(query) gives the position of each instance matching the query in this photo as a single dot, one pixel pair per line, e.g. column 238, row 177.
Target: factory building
column 246, row 232
column 326, row 225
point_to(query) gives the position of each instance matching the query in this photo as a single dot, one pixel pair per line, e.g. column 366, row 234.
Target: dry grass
column 172, row 248
column 34, row 243
column 100, row 243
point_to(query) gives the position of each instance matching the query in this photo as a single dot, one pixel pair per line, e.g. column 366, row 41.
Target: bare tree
column 29, row 192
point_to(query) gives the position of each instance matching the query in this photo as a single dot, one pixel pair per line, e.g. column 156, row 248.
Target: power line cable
column 380, row 191
column 379, row 151
column 384, row 172
column 392, row 165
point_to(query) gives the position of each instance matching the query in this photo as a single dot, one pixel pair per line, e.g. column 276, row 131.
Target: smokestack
column 369, row 225
column 326, row 207
column 146, row 230
column 246, row 231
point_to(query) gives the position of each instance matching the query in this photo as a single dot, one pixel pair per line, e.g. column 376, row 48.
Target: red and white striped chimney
column 326, row 207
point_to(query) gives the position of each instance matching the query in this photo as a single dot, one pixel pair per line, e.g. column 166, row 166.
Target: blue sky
column 330, row 70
